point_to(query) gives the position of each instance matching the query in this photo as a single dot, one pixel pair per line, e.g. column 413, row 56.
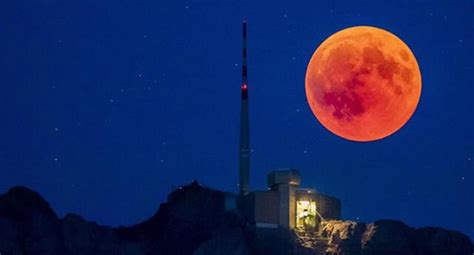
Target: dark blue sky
column 105, row 105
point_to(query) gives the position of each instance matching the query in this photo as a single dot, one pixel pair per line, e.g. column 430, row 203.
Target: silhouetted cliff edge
column 194, row 221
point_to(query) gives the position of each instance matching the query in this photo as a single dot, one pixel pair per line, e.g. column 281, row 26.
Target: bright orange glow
column 363, row 83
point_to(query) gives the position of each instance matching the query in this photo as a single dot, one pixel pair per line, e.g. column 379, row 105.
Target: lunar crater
column 346, row 104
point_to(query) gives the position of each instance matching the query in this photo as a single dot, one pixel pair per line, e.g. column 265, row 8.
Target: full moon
column 363, row 83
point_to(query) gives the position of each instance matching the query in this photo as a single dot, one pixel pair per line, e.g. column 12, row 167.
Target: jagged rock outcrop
column 392, row 238
column 189, row 217
column 194, row 221
column 28, row 225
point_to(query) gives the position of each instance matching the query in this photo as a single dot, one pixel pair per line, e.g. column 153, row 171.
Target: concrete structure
column 284, row 204
column 287, row 205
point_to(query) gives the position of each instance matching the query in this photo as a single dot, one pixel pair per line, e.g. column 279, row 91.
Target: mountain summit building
column 285, row 204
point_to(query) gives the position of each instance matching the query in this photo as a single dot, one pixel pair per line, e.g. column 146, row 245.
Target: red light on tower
column 244, row 92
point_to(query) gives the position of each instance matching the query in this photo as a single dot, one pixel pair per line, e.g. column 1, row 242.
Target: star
column 111, row 100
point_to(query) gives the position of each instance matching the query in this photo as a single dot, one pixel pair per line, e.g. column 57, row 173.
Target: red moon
column 363, row 83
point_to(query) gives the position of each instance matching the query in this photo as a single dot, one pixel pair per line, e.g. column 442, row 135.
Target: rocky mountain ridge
column 194, row 221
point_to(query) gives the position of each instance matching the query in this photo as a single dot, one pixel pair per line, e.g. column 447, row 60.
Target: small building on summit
column 285, row 204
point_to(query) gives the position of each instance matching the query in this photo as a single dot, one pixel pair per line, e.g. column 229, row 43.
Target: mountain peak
column 20, row 202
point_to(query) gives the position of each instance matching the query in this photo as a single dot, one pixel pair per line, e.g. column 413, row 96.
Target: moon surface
column 363, row 83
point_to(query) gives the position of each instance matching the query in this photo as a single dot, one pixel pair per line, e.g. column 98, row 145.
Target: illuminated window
column 305, row 213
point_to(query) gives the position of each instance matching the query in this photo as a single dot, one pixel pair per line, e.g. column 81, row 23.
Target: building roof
column 283, row 176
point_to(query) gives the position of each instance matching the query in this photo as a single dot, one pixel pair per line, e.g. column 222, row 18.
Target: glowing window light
column 305, row 213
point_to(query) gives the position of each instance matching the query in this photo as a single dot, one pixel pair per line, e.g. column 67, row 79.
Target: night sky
column 105, row 106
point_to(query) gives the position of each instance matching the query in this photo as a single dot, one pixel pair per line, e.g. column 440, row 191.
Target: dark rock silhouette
column 194, row 221
column 28, row 225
